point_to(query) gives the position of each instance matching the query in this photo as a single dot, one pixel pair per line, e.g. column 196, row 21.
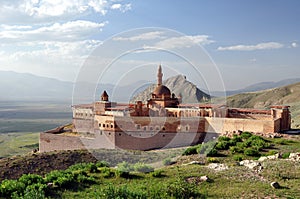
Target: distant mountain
column 286, row 95
column 24, row 86
column 179, row 86
column 258, row 87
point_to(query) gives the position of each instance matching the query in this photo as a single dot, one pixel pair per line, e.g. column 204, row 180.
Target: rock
column 251, row 164
column 275, row 185
column 205, row 179
column 194, row 162
column 294, row 156
column 217, row 166
column 270, row 157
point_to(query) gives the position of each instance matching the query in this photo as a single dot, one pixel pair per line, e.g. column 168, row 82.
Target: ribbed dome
column 162, row 90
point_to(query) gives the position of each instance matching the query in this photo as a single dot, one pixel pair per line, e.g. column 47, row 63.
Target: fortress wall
column 159, row 140
column 83, row 125
column 221, row 125
column 52, row 142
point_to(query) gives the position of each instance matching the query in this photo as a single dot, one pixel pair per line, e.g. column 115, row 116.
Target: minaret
column 159, row 76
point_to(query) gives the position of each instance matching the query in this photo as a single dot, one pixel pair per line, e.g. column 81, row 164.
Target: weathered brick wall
column 52, row 142
column 222, row 125
column 159, row 140
column 83, row 125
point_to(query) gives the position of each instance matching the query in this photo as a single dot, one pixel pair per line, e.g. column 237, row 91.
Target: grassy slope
column 287, row 95
column 18, row 143
column 236, row 182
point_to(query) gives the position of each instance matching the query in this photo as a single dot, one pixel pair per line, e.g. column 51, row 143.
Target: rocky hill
column 286, row 95
column 178, row 85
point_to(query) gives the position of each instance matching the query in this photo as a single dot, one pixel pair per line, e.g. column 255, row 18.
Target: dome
column 162, row 90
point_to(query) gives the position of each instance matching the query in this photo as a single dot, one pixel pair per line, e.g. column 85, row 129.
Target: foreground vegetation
column 179, row 179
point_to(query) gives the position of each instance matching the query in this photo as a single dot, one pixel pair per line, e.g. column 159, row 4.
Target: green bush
column 167, row 161
column 142, row 167
column 223, row 138
column 238, row 158
column 285, row 155
column 157, row 174
column 222, row 145
column 181, row 189
column 235, row 149
column 107, row 172
column 251, row 152
column 8, row 187
column 125, row 167
column 29, row 179
column 245, row 135
column 213, row 153
column 206, row 148
column 212, row 160
column 191, row 150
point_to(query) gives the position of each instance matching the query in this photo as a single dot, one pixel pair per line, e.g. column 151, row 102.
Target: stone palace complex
column 162, row 122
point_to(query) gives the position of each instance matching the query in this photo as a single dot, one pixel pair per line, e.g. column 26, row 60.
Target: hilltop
column 180, row 86
column 286, row 95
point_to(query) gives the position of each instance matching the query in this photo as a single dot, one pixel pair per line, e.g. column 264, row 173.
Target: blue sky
column 249, row 41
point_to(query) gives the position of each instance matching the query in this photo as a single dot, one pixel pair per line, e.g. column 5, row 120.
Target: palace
column 163, row 122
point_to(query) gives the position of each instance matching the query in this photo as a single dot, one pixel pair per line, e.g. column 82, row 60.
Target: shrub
column 235, row 149
column 142, row 167
column 223, row 138
column 212, row 160
column 285, row 155
column 271, row 152
column 222, row 145
column 107, row 172
column 29, row 179
column 125, row 167
column 8, row 187
column 251, row 152
column 238, row 158
column 190, row 150
column 167, row 161
column 213, row 153
column 245, row 135
column 102, row 164
column 182, row 189
column 157, row 174
column 206, row 148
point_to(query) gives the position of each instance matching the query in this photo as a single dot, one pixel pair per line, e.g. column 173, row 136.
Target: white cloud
column 260, row 46
column 144, row 36
column 73, row 30
column 45, row 11
column 183, row 42
column 122, row 8
column 294, row 45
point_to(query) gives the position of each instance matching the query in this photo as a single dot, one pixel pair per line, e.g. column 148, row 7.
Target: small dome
column 162, row 90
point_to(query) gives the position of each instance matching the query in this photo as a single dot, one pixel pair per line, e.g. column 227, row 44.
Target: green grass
column 18, row 143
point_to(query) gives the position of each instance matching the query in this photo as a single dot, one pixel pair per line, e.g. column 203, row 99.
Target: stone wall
column 221, row 125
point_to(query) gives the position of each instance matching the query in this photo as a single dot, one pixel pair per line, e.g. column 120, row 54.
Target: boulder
column 205, row 179
column 275, row 185
column 251, row 164
column 294, row 156
column 217, row 166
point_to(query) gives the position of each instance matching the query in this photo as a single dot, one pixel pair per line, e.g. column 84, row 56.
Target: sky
column 242, row 42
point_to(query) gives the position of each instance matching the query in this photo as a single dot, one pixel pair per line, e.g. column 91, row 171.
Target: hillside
column 178, row 85
column 286, row 95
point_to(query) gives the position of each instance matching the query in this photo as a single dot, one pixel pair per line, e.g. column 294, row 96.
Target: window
column 145, row 128
column 103, row 125
column 138, row 126
column 163, row 128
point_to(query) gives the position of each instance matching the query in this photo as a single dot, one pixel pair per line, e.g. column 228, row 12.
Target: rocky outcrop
column 180, row 87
